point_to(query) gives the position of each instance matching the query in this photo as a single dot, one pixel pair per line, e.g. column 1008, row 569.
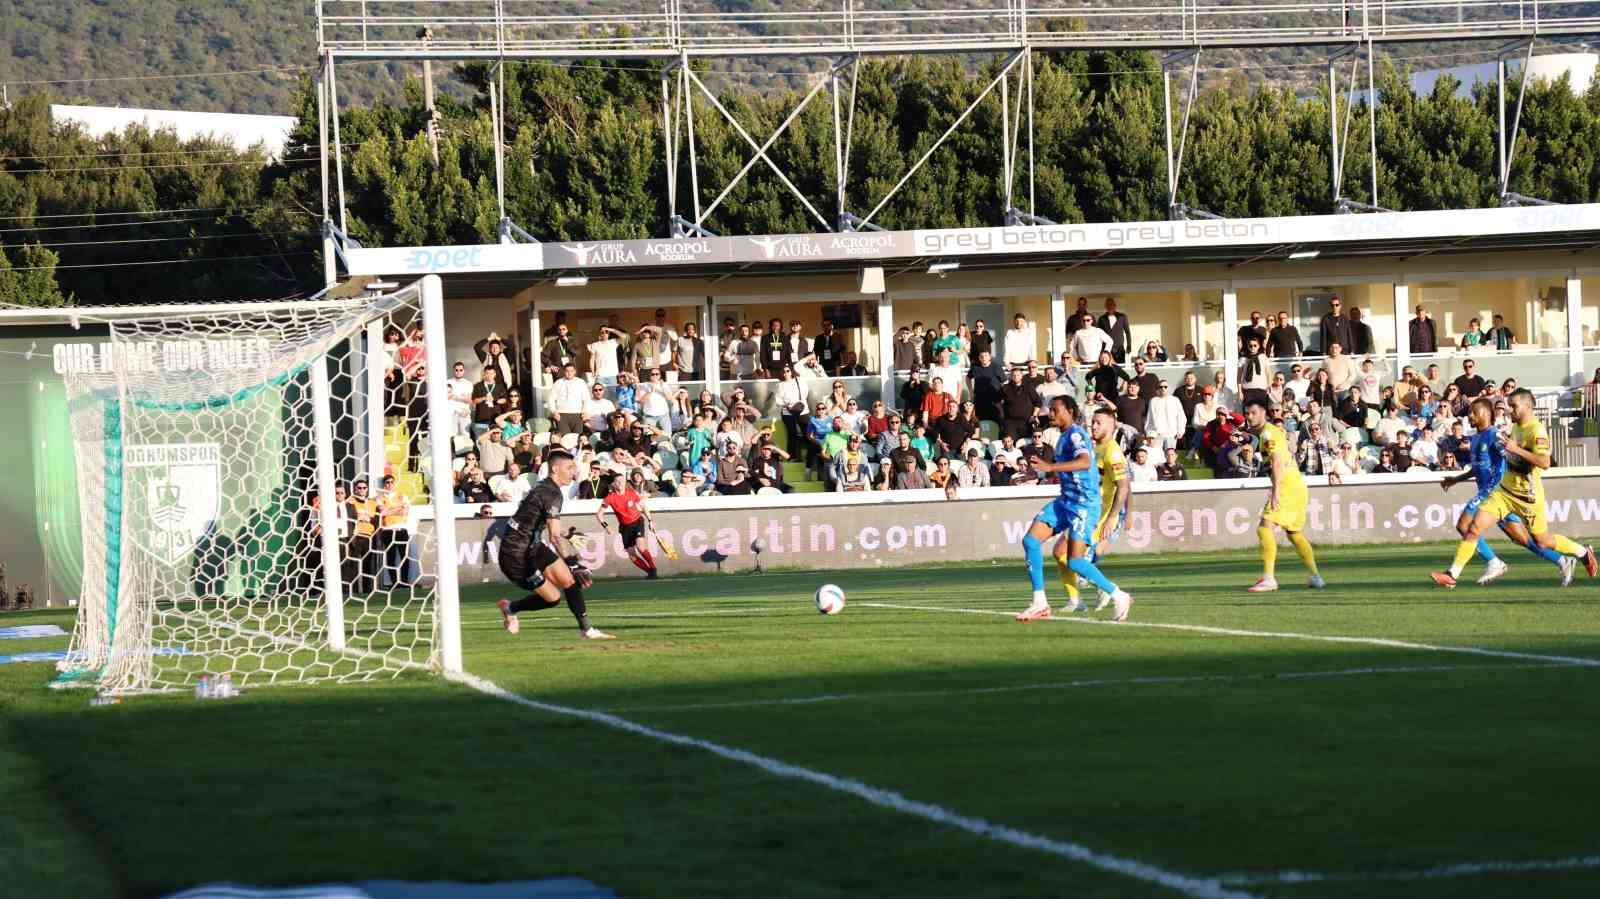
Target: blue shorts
column 1077, row 520
column 1471, row 509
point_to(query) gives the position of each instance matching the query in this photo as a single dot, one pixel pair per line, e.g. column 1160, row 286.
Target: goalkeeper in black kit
column 536, row 555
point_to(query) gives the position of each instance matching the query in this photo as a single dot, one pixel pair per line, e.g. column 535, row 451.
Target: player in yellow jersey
column 1286, row 501
column 1116, row 489
column 1521, row 496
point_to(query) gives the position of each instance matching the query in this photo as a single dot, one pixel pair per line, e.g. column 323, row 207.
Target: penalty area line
column 1574, row 661
column 1201, row 888
column 1437, row 872
column 1153, row 680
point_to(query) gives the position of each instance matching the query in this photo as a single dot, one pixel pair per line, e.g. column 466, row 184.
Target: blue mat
column 560, row 888
column 52, row 656
column 29, row 631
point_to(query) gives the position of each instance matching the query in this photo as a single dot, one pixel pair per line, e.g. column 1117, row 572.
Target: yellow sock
column 1068, row 579
column 1303, row 547
column 1269, row 551
column 1569, row 547
column 1465, row 550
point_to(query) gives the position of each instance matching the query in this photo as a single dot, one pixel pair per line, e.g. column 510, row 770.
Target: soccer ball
column 830, row 599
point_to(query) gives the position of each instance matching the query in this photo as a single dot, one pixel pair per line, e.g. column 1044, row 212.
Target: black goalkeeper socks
column 533, row 602
column 580, row 609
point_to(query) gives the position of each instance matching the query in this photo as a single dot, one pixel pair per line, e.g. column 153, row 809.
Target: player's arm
column 600, row 516
column 1080, row 462
column 558, row 539
column 1452, row 480
column 1533, row 457
column 1124, row 497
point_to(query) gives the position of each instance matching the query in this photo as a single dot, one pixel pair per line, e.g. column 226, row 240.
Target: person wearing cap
column 974, row 472
column 1164, row 418
column 854, row 476
column 908, row 475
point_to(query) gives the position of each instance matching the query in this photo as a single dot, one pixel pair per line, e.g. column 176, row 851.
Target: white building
column 242, row 131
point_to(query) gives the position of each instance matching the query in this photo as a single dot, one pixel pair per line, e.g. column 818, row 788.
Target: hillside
column 148, row 53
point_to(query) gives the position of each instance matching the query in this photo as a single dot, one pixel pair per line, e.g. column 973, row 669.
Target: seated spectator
column 1315, row 454
column 807, row 368
column 738, row 484
column 908, row 476
column 597, row 410
column 1425, row 451
column 627, row 393
column 1172, row 469
column 1454, row 443
column 818, row 427
column 1353, row 411
column 767, row 467
column 493, row 454
column 921, row 442
column 950, row 433
column 849, row 367
column 942, row 475
column 1469, row 382
column 646, row 486
column 634, row 439
column 1241, row 461
column 473, row 487
column 1154, row 352
column 833, row 444
column 1347, row 464
column 1474, row 335
column 1449, row 462
column 913, row 394
column 1141, row 469
column 1385, row 462
column 1388, row 426
column 974, row 472
column 510, row 425
column 1299, row 383
column 1217, row 437
column 1024, row 475
column 1401, row 451
column 878, row 421
column 1500, row 336
column 511, row 486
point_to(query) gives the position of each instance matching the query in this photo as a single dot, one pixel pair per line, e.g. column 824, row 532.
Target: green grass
column 1258, row 769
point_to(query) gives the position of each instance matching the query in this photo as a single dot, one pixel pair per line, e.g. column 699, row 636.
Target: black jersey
column 537, row 508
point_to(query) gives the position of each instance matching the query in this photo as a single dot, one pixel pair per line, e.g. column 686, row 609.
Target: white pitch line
column 1094, row 682
column 1438, row 872
column 610, row 615
column 1282, row 635
column 1201, row 888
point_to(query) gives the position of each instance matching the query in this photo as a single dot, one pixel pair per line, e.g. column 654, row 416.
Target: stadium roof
column 492, row 270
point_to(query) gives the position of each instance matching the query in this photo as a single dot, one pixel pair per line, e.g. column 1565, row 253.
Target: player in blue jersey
column 1487, row 466
column 1075, row 512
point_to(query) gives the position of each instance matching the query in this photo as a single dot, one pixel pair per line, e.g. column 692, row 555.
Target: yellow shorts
column 1502, row 505
column 1290, row 513
column 1102, row 528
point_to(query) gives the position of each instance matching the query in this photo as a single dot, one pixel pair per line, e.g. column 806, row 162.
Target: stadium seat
column 769, row 491
column 462, row 444
column 989, row 429
column 539, row 425
column 569, row 441
column 541, row 439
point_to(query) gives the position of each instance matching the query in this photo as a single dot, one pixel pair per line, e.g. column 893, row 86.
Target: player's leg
column 1069, row 580
column 1266, row 535
column 572, row 583
column 1045, row 526
column 1308, row 556
column 1512, row 524
column 1539, row 527
column 1491, row 510
column 1078, row 548
column 638, row 550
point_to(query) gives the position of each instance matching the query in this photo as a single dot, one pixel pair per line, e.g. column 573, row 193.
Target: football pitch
column 1381, row 738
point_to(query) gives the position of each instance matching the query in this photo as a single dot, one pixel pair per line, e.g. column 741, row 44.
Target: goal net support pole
column 441, row 424
column 327, row 493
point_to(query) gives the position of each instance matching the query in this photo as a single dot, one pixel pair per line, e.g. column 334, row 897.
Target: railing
column 566, row 28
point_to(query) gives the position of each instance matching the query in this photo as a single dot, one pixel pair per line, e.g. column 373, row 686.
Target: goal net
column 249, row 479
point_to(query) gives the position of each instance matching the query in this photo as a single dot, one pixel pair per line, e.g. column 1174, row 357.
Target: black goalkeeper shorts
column 524, row 564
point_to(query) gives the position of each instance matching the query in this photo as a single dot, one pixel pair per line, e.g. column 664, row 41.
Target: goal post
column 249, row 479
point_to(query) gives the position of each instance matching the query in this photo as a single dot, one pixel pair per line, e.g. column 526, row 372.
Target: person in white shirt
column 1020, row 342
column 654, row 396
column 1164, row 420
column 1226, row 397
column 974, row 472
column 1348, row 463
column 1089, row 342
column 512, row 486
column 1388, row 426
column 1051, row 386
column 567, row 395
column 1205, row 411
column 1370, row 380
column 1425, row 451
column 603, row 355
column 953, row 376
column 459, row 392
column 808, row 367
column 1299, row 384
column 1141, row 469
column 597, row 410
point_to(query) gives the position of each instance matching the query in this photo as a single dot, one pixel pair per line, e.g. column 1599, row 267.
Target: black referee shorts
column 631, row 533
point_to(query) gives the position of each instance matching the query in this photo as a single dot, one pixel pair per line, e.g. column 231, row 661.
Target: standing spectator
column 1435, row 379
column 791, row 399
column 961, row 351
column 1322, row 390
column 1500, row 335
column 907, row 352
column 1253, row 380
column 1106, row 377
column 1424, row 336
column 1333, row 327
column 1019, row 402
column 645, row 351
column 1314, row 454
column 1132, row 408
column 459, row 392
column 982, row 339
column 567, row 396
column 1165, row 419
column 1115, row 325
column 689, row 356
column 1172, row 469
column 774, row 355
column 604, row 354
column 796, row 345
column 1226, row 396
column 361, row 563
column 987, row 378
column 558, row 352
column 1370, row 380
column 1299, row 384
column 1147, row 380
column 1020, row 341
column 491, row 353
column 394, row 534
column 1341, row 369
column 912, row 395
column 655, row 402
column 1469, row 383
column 666, row 341
column 1255, row 328
column 1284, row 339
column 1474, row 335
column 829, row 348
column 1075, row 320
column 1279, row 393
column 1190, row 394
column 1090, row 342
column 849, row 367
column 597, row 410
column 1360, row 334
column 1052, row 387
column 488, row 401
column 742, row 353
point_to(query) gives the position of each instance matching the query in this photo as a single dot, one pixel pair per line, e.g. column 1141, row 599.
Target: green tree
column 30, row 281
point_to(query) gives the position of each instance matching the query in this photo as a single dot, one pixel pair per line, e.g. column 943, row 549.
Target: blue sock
column 1549, row 555
column 1484, row 552
column 1087, row 570
column 1033, row 551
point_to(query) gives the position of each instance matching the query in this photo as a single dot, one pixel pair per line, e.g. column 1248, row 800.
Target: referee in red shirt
column 632, row 518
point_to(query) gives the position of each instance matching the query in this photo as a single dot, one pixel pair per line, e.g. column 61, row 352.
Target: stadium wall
column 915, row 527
